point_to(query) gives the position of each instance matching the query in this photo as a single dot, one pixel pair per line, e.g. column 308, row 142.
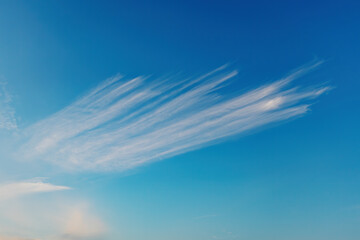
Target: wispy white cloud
column 7, row 113
column 17, row 189
column 125, row 123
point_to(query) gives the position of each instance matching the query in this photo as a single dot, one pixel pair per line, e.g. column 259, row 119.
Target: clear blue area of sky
column 298, row 180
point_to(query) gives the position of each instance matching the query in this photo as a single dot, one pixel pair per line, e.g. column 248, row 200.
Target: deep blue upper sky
column 298, row 180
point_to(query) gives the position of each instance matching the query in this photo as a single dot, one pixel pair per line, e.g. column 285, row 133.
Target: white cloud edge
column 20, row 188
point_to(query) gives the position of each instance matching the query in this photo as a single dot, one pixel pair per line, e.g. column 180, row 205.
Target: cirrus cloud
column 125, row 123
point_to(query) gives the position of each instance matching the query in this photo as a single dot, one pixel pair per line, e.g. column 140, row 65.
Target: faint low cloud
column 52, row 219
column 15, row 238
column 81, row 224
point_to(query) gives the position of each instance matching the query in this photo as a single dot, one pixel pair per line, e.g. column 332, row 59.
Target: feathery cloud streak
column 125, row 123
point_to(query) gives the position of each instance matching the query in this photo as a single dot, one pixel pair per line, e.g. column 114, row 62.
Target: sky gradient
column 179, row 120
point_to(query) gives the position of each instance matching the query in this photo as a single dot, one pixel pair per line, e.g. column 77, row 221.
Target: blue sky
column 179, row 120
